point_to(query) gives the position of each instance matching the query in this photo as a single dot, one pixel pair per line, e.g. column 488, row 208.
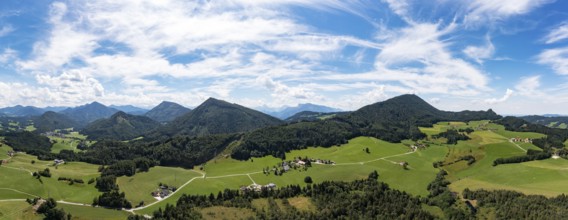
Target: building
column 57, row 162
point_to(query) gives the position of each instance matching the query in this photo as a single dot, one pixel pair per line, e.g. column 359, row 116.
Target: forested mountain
column 553, row 122
column 218, row 117
column 393, row 120
column 120, row 126
column 50, row 121
column 313, row 116
column 167, row 111
column 22, row 111
column 290, row 111
column 130, row 109
column 88, row 113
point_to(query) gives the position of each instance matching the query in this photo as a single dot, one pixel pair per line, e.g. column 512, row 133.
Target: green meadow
column 138, row 187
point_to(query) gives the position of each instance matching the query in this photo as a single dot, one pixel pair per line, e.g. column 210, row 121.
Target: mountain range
column 290, row 111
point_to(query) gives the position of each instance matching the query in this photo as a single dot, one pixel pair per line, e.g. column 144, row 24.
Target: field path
column 369, row 161
column 518, row 146
column 18, row 191
column 20, row 169
column 73, row 203
column 12, row 200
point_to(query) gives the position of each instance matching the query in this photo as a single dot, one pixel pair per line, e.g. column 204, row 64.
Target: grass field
column 488, row 142
column 90, row 213
column 18, row 177
column 138, row 187
column 17, row 210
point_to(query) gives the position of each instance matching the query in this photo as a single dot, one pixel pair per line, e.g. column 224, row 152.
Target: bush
column 308, row 179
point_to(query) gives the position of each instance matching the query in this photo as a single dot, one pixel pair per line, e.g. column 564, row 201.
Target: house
column 301, row 162
column 271, row 186
column 164, row 193
column 286, row 168
column 57, row 162
column 11, row 153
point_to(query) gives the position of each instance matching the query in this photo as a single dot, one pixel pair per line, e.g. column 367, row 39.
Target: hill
column 392, row 120
column 290, row 111
column 167, row 111
column 313, row 116
column 50, row 121
column 88, row 113
column 553, row 122
column 130, row 109
column 218, row 117
column 120, row 126
column 22, row 111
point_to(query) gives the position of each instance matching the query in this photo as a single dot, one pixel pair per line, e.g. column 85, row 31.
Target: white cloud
column 8, row 55
column 558, row 34
column 529, row 86
column 282, row 91
column 481, row 12
column 556, row 58
column 480, row 53
column 64, row 44
column 420, row 59
column 506, row 97
column 73, row 87
column 5, row 30
column 399, row 7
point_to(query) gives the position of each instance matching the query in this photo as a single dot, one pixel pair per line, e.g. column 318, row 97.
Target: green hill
column 392, row 120
column 167, row 111
column 120, row 126
column 218, row 117
column 553, row 122
column 313, row 116
column 50, row 121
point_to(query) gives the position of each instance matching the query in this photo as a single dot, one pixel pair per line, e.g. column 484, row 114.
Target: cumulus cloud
column 506, row 97
column 556, row 58
column 72, row 85
column 557, row 34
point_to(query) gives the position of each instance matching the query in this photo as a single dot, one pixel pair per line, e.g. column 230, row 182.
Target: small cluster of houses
column 285, row 166
column 53, row 134
column 523, row 140
column 162, row 192
column 418, row 146
column 257, row 188
column 11, row 153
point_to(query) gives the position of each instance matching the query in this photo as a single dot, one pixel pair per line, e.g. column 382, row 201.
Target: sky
column 508, row 55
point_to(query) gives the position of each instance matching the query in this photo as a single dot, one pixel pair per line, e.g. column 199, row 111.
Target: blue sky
column 508, row 55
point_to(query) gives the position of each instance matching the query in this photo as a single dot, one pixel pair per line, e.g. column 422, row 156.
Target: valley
column 351, row 162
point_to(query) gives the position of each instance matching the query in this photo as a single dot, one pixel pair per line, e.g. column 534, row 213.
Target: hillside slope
column 392, row 120
column 120, row 126
column 50, row 121
column 218, row 117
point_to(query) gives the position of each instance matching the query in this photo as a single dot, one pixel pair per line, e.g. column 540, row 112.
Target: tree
column 367, row 150
column 374, row 175
column 308, row 179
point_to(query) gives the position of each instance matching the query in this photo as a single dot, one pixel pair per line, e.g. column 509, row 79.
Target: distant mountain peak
column 216, row 116
column 167, row 111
